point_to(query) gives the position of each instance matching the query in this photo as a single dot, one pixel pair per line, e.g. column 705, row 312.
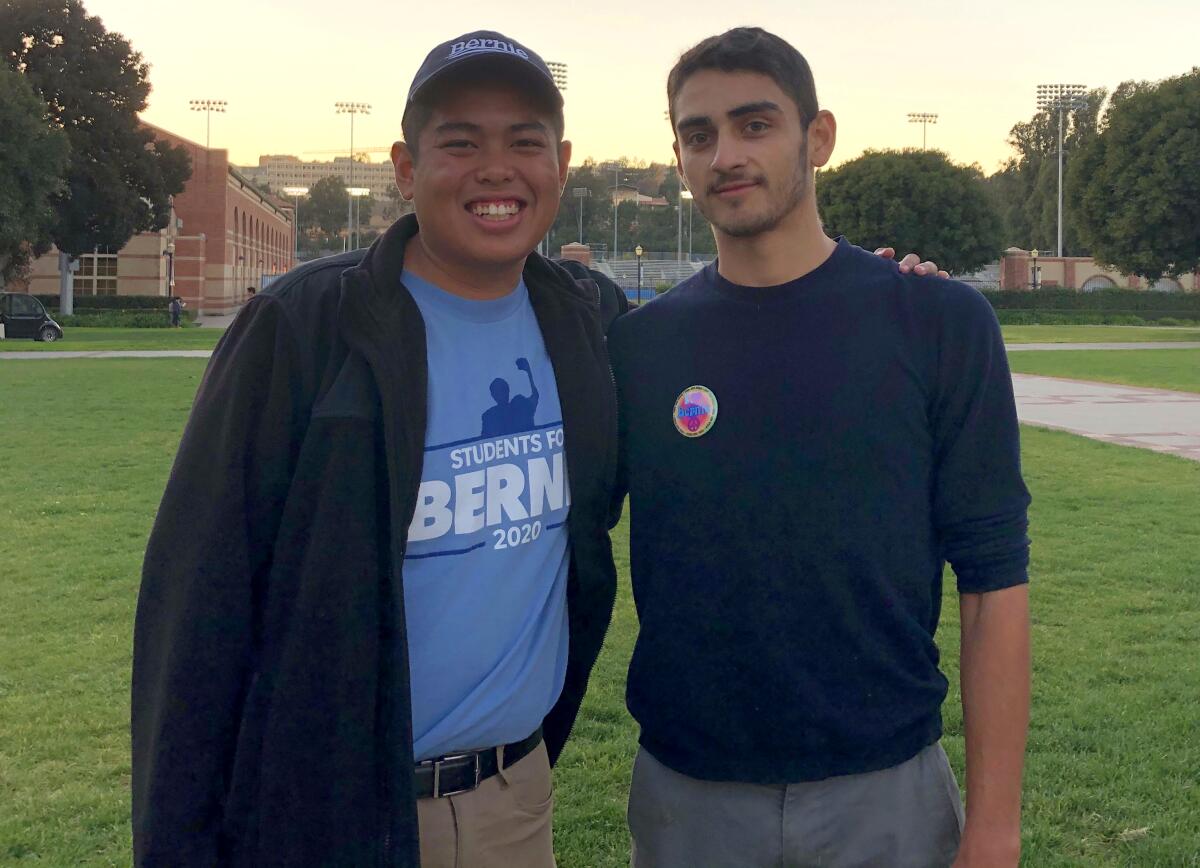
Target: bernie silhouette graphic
column 510, row 415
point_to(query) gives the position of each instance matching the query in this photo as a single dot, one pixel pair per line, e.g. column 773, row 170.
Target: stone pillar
column 578, row 252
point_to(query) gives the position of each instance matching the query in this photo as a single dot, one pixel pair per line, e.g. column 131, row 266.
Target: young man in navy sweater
column 809, row 434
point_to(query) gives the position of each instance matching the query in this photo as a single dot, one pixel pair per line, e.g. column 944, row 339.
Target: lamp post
column 296, row 193
column 1062, row 97
column 352, row 109
column 637, row 251
column 208, row 106
column 169, row 252
column 679, row 219
column 1035, row 281
column 924, row 119
column 687, row 194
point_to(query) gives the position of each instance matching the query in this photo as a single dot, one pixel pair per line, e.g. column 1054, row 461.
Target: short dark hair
column 750, row 49
column 419, row 111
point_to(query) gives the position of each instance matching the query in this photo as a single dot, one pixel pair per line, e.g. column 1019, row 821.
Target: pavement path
column 1155, row 419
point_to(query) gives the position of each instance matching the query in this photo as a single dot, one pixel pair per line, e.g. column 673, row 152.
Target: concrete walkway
column 1154, row 419
column 1145, row 345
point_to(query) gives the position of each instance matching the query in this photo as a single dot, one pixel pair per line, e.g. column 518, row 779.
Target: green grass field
column 1051, row 334
column 1113, row 749
column 93, row 339
column 1160, row 369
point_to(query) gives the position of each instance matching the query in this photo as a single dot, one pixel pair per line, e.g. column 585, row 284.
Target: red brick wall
column 248, row 234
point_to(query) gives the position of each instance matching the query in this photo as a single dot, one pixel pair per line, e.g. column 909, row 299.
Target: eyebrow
column 458, row 127
column 468, row 127
column 749, row 108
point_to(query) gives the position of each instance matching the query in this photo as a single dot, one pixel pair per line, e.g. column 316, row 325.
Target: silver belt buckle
column 437, row 774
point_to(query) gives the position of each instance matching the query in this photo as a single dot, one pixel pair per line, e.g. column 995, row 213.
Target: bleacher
column 654, row 271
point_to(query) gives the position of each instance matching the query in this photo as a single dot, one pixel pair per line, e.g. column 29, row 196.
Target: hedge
column 110, row 302
column 1149, row 304
column 127, row 319
column 1057, row 317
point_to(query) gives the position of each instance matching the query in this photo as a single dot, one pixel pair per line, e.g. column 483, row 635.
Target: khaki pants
column 505, row 823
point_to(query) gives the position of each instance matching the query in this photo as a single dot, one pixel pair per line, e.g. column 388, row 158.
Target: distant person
column 176, row 308
column 250, row 290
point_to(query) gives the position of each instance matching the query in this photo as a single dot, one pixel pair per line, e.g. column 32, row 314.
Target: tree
column 327, row 205
column 119, row 179
column 913, row 200
column 1135, row 188
column 654, row 228
column 35, row 155
column 1025, row 191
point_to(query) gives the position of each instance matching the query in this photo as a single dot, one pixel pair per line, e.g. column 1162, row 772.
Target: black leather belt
column 463, row 772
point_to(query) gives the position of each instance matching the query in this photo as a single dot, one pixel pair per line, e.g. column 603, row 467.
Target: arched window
column 1099, row 281
column 1167, row 284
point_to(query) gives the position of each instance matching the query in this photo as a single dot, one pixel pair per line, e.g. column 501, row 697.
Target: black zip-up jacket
column 271, row 714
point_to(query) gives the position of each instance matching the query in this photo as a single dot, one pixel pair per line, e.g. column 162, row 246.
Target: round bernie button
column 695, row 411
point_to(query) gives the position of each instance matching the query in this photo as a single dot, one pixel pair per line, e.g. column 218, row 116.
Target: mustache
column 737, row 178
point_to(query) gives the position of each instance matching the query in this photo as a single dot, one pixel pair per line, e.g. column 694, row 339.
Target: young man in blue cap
column 352, row 635
column 809, row 435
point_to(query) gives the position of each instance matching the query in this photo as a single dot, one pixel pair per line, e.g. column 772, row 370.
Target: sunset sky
column 282, row 65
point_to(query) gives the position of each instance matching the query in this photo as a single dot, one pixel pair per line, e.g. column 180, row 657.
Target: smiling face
column 487, row 175
column 744, row 151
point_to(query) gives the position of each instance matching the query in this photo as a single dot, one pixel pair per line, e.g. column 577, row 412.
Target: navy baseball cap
column 484, row 45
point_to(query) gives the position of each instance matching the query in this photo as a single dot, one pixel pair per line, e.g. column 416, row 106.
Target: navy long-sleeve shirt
column 787, row 561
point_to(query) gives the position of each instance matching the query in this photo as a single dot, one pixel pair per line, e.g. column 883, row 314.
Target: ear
column 822, row 136
column 564, row 165
column 405, row 166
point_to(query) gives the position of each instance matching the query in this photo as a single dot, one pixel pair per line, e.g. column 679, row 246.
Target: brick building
column 224, row 236
column 1078, row 272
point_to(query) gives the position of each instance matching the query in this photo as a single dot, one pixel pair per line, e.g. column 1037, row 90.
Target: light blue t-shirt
column 485, row 572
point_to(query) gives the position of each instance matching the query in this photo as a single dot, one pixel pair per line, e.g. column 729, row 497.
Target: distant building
column 623, row 193
column 1079, row 272
column 224, row 236
column 284, row 170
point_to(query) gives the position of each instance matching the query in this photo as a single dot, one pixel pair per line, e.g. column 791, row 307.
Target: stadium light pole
column 352, row 109
column 616, row 167
column 296, row 193
column 580, row 193
column 1063, row 98
column 208, row 106
column 924, row 119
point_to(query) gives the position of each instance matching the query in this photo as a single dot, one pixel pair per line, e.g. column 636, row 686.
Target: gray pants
column 908, row 816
